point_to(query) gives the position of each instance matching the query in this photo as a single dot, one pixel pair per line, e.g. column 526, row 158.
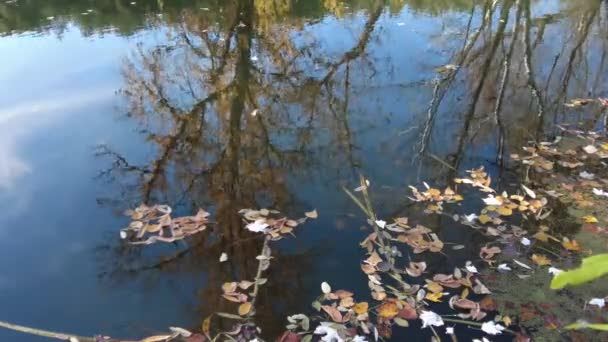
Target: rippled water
column 107, row 104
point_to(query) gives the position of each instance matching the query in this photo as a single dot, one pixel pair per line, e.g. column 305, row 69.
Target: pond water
column 231, row 104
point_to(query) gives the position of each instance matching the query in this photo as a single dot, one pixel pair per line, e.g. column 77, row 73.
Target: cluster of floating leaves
column 151, row 224
column 272, row 223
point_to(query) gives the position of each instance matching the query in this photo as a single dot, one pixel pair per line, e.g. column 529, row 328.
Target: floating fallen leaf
column 388, row 310
column 325, row 288
column 484, row 219
column 600, row 302
column 157, row 338
column 571, row 245
column 590, row 219
column 488, row 253
column 540, row 260
column 525, row 241
column 433, row 287
column 555, row 271
column 522, row 264
column 470, row 267
column 492, row 328
column 374, row 259
column 505, row 211
column 575, row 103
column 491, row 200
column 434, row 297
column 312, row 214
column 258, row 226
column 333, row 313
column 361, row 308
column 415, row 269
column 590, row 149
column 430, row 318
column 381, row 223
column 223, row 257
column 529, row 191
column 504, row 268
column 245, row 308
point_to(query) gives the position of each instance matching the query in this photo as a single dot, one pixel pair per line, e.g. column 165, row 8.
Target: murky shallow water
column 106, row 104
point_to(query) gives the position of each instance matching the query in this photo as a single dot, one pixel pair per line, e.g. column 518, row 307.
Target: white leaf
column 491, row 200
column 359, row 339
column 601, row 302
column 483, row 339
column 471, row 217
column 600, row 192
column 525, row 241
column 254, row 112
column 590, row 149
column 504, row 268
column 312, row 214
column 470, row 267
column 331, row 334
column 430, row 318
column 586, row 175
column 492, row 328
column 522, row 264
column 529, row 191
column 223, row 257
column 123, row 234
column 381, row 223
column 257, row 226
column 325, row 288
column 555, row 271
column 449, row 330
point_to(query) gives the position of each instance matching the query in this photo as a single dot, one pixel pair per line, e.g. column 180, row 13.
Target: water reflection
column 238, row 112
column 277, row 103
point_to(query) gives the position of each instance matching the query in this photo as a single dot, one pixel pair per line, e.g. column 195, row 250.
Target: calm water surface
column 107, row 104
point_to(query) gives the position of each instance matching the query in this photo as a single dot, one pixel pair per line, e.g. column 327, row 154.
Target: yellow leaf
column 484, row 219
column 541, row 236
column 361, row 308
column 245, row 308
column 465, row 293
column 156, row 338
column 434, row 297
column 541, row 260
column 507, row 320
column 207, row 325
column 571, row 245
column 590, row 219
column 458, row 198
column 434, row 287
column 491, row 208
column 433, row 192
column 505, row 211
column 388, row 310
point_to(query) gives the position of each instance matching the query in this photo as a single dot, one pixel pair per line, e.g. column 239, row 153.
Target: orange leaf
column 388, row 310
column 571, row 245
column 361, row 308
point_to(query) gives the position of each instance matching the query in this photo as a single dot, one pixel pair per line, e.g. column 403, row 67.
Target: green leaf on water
column 401, row 322
column 582, row 325
column 591, row 269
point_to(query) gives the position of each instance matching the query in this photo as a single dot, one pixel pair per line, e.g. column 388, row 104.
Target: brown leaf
column 487, row 253
column 343, row 294
column 407, row 312
column 196, row 338
column 245, row 308
column 333, row 313
column 289, row 336
column 488, row 304
column 374, row 259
